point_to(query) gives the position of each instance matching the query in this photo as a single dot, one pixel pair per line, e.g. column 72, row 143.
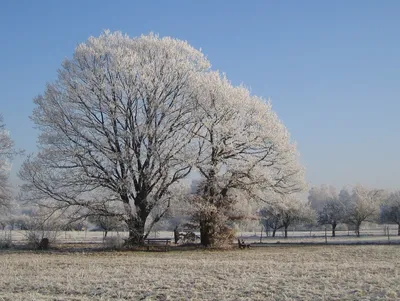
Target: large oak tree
column 116, row 127
column 128, row 119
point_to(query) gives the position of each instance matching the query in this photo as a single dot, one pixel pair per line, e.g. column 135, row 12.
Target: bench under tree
column 163, row 243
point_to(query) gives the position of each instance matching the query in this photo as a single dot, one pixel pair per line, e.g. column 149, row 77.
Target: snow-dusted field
column 278, row 273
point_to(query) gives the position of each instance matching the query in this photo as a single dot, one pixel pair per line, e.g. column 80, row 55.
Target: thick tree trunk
column 207, row 233
column 358, row 230
column 286, row 231
column 334, row 230
column 273, row 232
column 136, row 231
column 136, row 223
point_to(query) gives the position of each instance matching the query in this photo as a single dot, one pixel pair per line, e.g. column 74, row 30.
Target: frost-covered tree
column 118, row 122
column 319, row 195
column 7, row 152
column 333, row 213
column 329, row 205
column 42, row 223
column 271, row 218
column 390, row 210
column 344, row 195
column 106, row 223
column 127, row 120
column 363, row 206
column 243, row 149
column 297, row 212
column 286, row 211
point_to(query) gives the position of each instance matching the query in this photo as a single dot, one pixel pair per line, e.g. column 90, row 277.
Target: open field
column 278, row 273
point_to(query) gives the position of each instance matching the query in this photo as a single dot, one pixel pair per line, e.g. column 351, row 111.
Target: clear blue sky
column 331, row 68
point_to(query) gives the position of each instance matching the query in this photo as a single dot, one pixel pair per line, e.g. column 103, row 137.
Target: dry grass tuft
column 275, row 273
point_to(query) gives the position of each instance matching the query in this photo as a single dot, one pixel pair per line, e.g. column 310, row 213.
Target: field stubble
column 276, row 273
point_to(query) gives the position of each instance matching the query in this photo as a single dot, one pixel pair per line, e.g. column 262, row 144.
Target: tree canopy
column 129, row 118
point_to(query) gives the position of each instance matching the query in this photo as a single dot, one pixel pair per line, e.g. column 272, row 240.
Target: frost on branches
column 285, row 211
column 128, row 119
column 329, row 205
column 116, row 127
column 363, row 205
column 6, row 154
column 390, row 210
column 243, row 149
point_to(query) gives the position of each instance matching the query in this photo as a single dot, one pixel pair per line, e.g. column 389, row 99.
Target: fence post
column 261, row 234
column 388, row 234
column 326, row 237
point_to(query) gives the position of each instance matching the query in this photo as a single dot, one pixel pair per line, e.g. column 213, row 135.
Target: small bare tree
column 363, row 205
column 329, row 205
column 332, row 214
column 390, row 210
column 106, row 223
column 296, row 212
column 43, row 226
column 271, row 218
column 286, row 211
